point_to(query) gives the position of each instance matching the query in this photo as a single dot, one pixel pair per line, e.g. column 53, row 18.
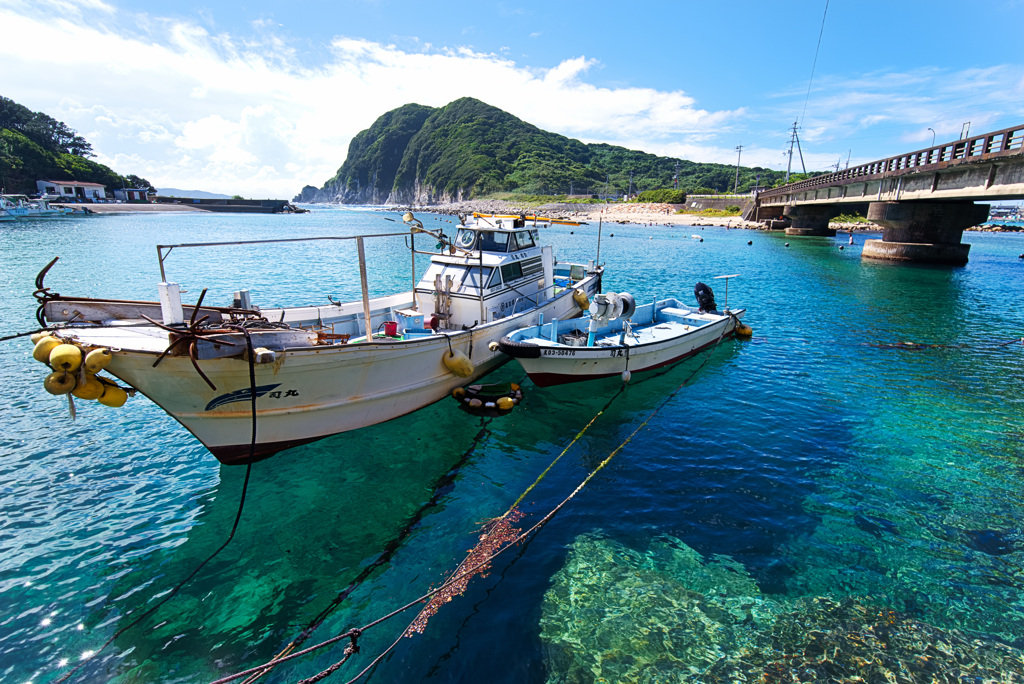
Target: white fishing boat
column 20, row 206
column 321, row 370
column 620, row 338
column 11, row 211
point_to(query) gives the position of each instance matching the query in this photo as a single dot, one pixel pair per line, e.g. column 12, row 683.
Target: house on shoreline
column 72, row 190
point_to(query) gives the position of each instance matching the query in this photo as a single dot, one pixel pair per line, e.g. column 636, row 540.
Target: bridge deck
column 986, row 166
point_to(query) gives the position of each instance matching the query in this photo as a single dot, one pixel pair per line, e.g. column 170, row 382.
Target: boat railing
column 161, row 256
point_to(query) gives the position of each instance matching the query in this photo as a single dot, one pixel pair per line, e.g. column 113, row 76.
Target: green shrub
column 666, row 196
column 733, row 208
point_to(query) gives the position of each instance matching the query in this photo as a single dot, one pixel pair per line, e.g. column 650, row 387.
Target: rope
column 234, row 527
column 472, row 569
column 24, row 334
column 551, row 465
column 389, row 551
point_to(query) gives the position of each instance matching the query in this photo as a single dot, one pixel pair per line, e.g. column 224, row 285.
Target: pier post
column 926, row 232
column 811, row 219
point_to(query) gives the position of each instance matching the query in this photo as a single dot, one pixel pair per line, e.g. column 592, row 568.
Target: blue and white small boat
column 620, row 338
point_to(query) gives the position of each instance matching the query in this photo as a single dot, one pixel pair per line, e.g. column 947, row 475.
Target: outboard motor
column 705, row 297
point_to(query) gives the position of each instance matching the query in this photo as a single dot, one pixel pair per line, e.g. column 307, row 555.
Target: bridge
column 923, row 200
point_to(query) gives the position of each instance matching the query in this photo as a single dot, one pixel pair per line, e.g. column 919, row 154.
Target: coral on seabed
column 614, row 614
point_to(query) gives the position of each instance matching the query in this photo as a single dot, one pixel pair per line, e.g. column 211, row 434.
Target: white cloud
column 186, row 107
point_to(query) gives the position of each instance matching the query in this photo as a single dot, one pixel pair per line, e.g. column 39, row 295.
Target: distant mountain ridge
column 468, row 149
column 191, row 194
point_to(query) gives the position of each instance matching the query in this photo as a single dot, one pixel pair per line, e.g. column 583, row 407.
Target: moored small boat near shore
column 619, row 339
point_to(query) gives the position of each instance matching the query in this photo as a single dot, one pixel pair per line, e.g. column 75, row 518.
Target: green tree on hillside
column 35, row 146
column 138, row 183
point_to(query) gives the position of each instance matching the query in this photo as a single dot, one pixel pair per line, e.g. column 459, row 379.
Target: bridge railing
column 1007, row 142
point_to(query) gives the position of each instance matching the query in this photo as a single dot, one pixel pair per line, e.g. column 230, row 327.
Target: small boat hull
column 675, row 334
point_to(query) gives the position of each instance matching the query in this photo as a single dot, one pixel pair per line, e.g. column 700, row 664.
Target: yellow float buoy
column 580, row 297
column 458, row 363
column 458, row 393
column 97, row 360
column 113, row 396
column 475, row 403
column 505, row 403
column 43, row 348
column 88, row 388
column 59, row 382
column 38, row 336
column 744, row 330
column 66, row 357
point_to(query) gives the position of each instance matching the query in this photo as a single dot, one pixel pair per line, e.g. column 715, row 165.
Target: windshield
column 494, row 241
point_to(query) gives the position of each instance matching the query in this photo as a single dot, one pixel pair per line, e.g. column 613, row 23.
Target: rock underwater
column 614, row 614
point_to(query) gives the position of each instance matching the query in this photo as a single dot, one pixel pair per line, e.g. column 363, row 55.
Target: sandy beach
column 637, row 214
column 634, row 214
column 125, row 208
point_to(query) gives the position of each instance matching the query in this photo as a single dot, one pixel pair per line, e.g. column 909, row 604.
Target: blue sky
column 260, row 98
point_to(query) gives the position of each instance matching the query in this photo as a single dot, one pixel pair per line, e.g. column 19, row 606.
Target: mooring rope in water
column 389, row 551
column 234, row 527
column 451, row 587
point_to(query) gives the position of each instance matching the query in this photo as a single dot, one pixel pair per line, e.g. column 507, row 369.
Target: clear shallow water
column 821, row 458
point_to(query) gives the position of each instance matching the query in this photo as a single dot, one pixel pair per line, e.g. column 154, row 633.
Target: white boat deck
column 671, row 323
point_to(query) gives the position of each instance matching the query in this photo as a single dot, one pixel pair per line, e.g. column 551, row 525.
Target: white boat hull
column 311, row 392
column 556, row 364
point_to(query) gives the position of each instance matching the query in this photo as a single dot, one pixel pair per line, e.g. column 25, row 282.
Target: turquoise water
column 823, row 458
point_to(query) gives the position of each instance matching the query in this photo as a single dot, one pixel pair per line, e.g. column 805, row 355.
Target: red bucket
column 390, row 328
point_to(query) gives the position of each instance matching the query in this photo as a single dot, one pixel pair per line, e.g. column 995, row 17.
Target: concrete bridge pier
column 927, row 232
column 811, row 219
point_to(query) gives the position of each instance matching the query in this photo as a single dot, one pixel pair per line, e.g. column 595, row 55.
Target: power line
column 815, row 63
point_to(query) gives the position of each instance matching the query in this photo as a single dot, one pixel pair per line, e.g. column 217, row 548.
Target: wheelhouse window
column 512, row 271
column 465, row 238
column 473, row 278
column 524, row 239
column 494, row 241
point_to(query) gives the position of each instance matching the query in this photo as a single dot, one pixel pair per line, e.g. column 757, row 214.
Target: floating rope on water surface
column 498, row 536
column 234, row 527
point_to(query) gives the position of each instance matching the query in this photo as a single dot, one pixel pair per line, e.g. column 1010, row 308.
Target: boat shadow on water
column 299, row 542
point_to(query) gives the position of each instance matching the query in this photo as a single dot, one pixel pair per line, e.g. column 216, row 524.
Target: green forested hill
column 34, row 146
column 469, row 149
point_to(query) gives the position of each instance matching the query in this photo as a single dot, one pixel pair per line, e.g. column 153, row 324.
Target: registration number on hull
column 558, row 352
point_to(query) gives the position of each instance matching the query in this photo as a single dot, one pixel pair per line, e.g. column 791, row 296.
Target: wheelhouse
column 495, row 268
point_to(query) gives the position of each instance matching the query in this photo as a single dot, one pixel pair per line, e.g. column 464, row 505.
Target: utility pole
column 736, row 186
column 795, row 139
column 629, row 192
column 848, row 157
column 675, row 178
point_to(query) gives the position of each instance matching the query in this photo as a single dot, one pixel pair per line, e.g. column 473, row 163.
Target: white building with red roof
column 72, row 189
